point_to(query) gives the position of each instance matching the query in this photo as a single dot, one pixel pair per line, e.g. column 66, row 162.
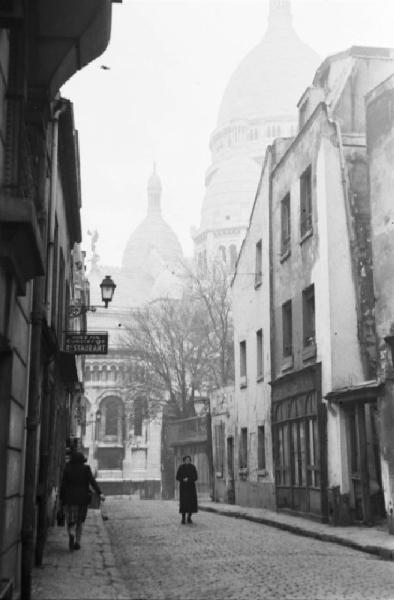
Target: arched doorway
column 110, row 439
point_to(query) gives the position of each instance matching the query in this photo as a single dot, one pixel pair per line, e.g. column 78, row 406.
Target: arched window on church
column 87, row 374
column 113, row 373
column 96, row 373
column 104, row 373
column 222, row 253
column 112, row 419
column 139, row 414
column 233, row 256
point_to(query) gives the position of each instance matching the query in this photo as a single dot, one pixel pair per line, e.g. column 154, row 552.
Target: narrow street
column 222, row 557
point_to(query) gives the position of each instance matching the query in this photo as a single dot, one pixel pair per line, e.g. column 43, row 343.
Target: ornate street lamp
column 107, row 287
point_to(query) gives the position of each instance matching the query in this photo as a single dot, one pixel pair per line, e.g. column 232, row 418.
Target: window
column 261, row 448
column 242, row 360
column 285, row 225
column 308, row 313
column 111, row 418
column 306, row 202
column 259, row 354
column 287, row 327
column 222, row 253
column 258, row 277
column 219, row 449
column 243, row 448
column 139, row 414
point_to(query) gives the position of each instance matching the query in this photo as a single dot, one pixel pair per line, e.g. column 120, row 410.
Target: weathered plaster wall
column 324, row 259
column 380, row 143
column 251, row 312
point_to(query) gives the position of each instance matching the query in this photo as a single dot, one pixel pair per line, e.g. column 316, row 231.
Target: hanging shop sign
column 86, row 343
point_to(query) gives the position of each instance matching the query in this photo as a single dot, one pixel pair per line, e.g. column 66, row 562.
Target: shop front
column 300, row 448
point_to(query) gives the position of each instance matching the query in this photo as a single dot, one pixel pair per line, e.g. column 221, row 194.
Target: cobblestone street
column 221, row 557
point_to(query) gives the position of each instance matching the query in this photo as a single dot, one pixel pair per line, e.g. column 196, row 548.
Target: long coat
column 77, row 479
column 187, row 489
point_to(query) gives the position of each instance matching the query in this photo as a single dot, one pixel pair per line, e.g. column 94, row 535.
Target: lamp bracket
column 81, row 309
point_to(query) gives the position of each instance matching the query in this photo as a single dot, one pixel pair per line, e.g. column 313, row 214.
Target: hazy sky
column 169, row 65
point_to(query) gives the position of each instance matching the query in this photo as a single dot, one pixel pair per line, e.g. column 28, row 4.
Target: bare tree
column 183, row 347
column 166, row 339
column 211, row 288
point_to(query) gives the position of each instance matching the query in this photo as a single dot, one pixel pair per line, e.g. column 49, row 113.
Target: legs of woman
column 183, row 518
column 78, row 534
column 189, row 518
column 71, row 530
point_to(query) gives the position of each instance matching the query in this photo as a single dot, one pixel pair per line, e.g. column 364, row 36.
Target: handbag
column 94, row 500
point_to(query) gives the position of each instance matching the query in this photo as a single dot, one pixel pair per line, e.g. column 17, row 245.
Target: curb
column 383, row 553
column 114, row 575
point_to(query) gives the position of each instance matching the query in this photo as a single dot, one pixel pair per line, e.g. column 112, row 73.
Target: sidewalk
column 373, row 540
column 86, row 574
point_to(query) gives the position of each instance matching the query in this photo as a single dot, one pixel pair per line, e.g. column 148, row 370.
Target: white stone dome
column 153, row 235
column 229, row 193
column 271, row 78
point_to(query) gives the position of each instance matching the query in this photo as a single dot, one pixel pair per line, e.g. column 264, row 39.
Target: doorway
column 366, row 493
column 230, row 471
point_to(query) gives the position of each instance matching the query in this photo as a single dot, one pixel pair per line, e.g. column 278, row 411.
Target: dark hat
column 187, row 456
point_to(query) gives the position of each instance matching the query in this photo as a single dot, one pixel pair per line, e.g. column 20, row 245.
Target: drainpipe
column 59, row 109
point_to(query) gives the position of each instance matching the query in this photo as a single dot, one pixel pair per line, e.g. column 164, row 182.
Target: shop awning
column 367, row 391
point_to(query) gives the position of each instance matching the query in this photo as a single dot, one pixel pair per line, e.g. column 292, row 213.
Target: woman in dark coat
column 187, row 476
column 75, row 496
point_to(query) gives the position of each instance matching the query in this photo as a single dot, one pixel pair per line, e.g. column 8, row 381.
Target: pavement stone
column 224, row 558
column 86, row 574
column 373, row 540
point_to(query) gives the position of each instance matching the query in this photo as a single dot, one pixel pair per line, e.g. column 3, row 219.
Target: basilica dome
column 153, row 237
column 229, row 193
column 153, row 245
column 271, row 78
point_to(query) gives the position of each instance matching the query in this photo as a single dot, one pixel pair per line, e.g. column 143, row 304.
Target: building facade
column 41, row 45
column 120, row 441
column 309, row 239
column 380, row 136
column 241, row 416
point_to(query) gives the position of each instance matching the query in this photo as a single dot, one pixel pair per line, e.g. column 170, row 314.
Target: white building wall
column 336, row 318
column 251, row 312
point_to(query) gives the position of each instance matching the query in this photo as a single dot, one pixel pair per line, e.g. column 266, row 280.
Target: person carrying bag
column 75, row 496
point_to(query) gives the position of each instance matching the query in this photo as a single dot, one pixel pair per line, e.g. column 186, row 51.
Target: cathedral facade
column 258, row 105
column 121, row 441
